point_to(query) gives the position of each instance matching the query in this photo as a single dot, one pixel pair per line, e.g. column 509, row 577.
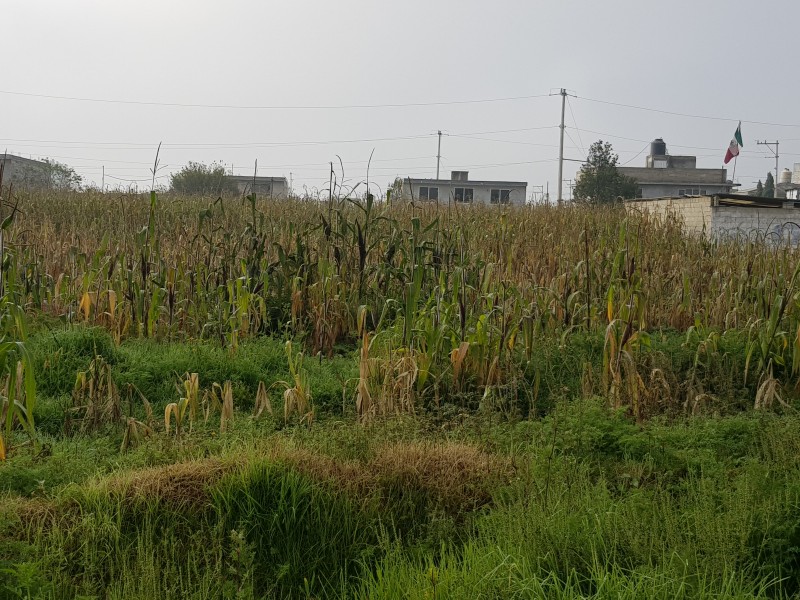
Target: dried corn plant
column 386, row 383
column 135, row 433
column 184, row 412
column 262, row 403
column 297, row 399
column 95, row 399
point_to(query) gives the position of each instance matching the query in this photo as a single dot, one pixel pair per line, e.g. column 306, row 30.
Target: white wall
column 481, row 194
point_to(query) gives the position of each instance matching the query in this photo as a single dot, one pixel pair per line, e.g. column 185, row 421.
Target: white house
column 460, row 189
column 275, row 187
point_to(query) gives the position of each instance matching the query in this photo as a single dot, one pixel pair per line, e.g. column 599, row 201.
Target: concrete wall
column 701, row 217
column 24, row 173
column 683, row 177
column 695, row 212
column 482, row 192
column 771, row 224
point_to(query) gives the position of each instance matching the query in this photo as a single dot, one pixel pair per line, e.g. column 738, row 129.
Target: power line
column 136, row 180
column 574, row 145
column 688, row 115
column 270, row 107
column 200, row 145
column 583, row 150
column 483, row 139
column 646, row 146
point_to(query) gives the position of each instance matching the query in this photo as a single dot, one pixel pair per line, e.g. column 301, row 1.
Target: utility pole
column 775, row 152
column 103, row 186
column 561, row 148
column 439, row 153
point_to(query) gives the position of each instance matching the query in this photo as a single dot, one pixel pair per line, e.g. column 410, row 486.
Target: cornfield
column 444, row 296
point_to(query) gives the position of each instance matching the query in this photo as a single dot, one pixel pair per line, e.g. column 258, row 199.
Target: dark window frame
column 500, row 196
column 430, row 193
column 464, row 195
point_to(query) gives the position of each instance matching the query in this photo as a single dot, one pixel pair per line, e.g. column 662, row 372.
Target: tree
column 46, row 174
column 769, row 186
column 759, row 189
column 198, row 178
column 599, row 181
column 394, row 190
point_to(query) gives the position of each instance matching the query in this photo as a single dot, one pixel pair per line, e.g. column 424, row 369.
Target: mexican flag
column 736, row 142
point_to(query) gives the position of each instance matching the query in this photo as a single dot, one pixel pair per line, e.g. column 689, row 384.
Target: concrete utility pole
column 775, row 152
column 439, row 153
column 561, row 148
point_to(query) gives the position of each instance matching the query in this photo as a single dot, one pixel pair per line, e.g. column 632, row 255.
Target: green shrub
column 59, row 355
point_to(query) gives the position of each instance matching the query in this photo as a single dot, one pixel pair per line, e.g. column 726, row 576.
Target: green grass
column 559, row 498
column 594, row 506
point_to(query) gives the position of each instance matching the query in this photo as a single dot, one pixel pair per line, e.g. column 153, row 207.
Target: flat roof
column 466, row 183
column 687, row 183
column 13, row 157
column 257, row 179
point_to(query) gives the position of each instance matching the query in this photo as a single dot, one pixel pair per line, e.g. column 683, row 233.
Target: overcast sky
column 722, row 60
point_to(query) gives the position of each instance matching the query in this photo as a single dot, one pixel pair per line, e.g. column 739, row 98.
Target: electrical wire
column 687, row 115
column 483, row 139
column 189, row 145
column 270, row 107
column 637, row 155
column 583, row 150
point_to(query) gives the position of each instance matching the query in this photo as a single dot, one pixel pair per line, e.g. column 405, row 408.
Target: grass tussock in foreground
column 581, row 504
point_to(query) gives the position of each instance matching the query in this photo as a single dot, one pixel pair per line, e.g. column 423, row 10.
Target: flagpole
column 733, row 177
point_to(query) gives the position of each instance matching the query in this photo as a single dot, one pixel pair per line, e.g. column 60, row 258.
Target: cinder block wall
column 694, row 212
column 772, row 224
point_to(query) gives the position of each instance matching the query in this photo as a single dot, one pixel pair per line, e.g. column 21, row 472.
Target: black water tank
column 658, row 147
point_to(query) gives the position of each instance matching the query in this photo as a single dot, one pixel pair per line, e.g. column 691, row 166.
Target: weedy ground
column 295, row 399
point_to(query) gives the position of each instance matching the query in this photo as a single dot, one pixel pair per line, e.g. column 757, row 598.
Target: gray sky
column 727, row 59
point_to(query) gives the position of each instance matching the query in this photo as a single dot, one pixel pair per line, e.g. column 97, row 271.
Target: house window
column 501, row 196
column 639, row 193
column 428, row 193
column 463, row 194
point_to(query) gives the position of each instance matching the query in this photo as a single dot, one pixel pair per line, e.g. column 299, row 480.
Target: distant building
column 665, row 175
column 25, row 173
column 276, row 187
column 788, row 187
column 461, row 190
